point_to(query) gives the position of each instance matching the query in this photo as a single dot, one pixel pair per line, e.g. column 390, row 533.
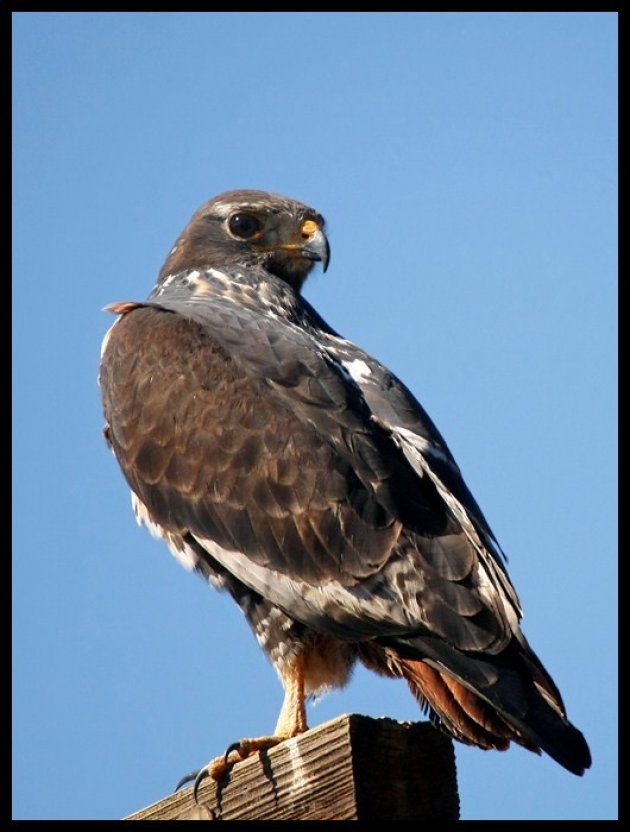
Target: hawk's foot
column 220, row 767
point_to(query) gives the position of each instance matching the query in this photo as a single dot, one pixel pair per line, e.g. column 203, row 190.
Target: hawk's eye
column 245, row 226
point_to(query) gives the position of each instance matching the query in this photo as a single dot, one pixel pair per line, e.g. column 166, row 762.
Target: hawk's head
column 252, row 228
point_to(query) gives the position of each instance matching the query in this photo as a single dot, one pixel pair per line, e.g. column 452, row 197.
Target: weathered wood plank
column 352, row 767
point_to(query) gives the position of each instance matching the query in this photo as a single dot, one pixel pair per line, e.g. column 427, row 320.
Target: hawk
column 291, row 469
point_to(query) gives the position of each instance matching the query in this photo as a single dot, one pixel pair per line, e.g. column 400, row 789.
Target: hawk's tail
column 463, row 714
column 472, row 717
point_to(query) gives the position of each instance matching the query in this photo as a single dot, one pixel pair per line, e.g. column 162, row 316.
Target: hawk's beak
column 316, row 247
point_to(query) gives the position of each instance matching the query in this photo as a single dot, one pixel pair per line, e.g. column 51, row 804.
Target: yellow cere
column 309, row 228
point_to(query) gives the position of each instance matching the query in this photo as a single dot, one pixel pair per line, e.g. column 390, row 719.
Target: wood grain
column 351, row 768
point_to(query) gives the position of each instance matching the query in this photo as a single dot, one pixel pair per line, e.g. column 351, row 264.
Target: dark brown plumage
column 293, row 470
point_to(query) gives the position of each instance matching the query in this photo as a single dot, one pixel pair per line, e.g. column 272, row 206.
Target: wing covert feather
column 238, row 431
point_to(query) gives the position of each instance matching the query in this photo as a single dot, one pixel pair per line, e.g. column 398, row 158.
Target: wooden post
column 351, row 768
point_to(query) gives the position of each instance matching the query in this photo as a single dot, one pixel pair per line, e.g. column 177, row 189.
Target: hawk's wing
column 324, row 489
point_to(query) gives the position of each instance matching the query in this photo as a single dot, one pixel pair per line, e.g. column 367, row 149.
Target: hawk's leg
column 291, row 722
column 292, row 719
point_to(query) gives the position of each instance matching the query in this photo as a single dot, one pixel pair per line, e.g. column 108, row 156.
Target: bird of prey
column 291, row 469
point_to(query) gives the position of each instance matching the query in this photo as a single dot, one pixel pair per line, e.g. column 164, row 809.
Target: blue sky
column 466, row 165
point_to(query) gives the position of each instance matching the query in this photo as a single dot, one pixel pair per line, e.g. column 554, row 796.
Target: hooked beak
column 316, row 247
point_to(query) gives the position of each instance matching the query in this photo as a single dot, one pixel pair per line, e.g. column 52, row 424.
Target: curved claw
column 236, row 746
column 197, row 777
column 219, row 768
column 201, row 775
column 187, row 778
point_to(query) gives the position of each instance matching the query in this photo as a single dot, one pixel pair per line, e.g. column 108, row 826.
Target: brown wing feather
column 265, row 453
column 210, row 449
